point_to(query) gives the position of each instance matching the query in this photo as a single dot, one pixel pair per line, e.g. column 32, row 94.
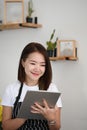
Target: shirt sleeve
column 7, row 99
column 53, row 88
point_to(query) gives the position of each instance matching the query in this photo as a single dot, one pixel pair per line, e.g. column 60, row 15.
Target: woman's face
column 34, row 67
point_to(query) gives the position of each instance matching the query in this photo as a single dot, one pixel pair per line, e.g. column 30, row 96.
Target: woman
column 34, row 73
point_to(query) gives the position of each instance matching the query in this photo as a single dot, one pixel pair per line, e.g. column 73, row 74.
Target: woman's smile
column 35, row 74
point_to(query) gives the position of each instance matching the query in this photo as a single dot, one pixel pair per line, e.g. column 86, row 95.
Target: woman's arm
column 51, row 114
column 55, row 124
column 7, row 122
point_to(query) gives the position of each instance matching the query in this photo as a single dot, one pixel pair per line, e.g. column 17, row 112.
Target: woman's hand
column 52, row 115
column 45, row 110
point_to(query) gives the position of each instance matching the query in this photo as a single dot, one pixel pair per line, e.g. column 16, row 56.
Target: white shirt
column 12, row 91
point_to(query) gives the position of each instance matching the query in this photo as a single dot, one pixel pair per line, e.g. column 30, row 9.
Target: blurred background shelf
column 19, row 25
column 63, row 58
column 32, row 25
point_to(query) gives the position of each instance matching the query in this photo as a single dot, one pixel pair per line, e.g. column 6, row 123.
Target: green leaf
column 50, row 45
column 52, row 35
column 30, row 8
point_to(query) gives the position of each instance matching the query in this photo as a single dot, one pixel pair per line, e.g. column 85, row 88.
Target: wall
column 69, row 18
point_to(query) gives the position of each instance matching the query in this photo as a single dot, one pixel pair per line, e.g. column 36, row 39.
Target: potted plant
column 30, row 11
column 51, row 46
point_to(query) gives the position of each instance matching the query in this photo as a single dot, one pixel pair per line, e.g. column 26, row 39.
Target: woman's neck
column 31, row 83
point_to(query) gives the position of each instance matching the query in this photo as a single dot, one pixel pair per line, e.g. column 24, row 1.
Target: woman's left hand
column 45, row 110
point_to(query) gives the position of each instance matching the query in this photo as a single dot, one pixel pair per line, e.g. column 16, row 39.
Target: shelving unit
column 19, row 26
column 32, row 25
column 73, row 57
column 16, row 25
column 9, row 26
column 65, row 58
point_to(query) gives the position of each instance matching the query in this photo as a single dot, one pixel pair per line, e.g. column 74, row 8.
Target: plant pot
column 29, row 19
column 50, row 53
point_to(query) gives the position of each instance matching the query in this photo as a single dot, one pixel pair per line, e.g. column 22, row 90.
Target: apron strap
column 19, row 94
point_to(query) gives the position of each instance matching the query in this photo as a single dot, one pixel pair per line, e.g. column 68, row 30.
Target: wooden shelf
column 13, row 0
column 18, row 26
column 72, row 57
column 32, row 25
column 63, row 58
column 9, row 26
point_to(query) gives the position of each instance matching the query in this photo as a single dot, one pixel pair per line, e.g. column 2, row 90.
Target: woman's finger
column 45, row 104
column 34, row 109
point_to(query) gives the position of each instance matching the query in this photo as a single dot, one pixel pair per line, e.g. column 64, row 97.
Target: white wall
column 69, row 18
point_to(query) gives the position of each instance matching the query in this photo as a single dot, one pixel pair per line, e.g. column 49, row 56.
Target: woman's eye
column 43, row 65
column 32, row 63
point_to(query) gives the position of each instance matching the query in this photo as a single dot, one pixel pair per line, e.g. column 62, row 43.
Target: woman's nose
column 37, row 68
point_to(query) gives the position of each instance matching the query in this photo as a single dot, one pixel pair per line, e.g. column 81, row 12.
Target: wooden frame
column 12, row 9
column 66, row 48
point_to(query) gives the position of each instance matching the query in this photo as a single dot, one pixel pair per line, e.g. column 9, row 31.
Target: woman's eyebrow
column 37, row 62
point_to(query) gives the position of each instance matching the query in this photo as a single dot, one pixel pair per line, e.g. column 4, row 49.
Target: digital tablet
column 36, row 96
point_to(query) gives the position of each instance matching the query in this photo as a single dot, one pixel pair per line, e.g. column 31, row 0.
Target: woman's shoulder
column 12, row 87
column 53, row 87
column 10, row 93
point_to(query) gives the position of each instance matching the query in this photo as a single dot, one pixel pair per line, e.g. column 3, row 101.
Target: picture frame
column 66, row 48
column 12, row 16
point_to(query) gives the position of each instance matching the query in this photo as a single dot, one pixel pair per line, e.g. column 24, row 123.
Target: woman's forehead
column 36, row 56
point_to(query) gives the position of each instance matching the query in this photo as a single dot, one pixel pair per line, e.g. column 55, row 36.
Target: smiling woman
column 34, row 74
column 34, row 67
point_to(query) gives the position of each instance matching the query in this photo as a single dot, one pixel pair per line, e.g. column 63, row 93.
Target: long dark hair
column 46, row 79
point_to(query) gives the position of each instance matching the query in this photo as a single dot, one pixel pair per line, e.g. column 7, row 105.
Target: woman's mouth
column 35, row 74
